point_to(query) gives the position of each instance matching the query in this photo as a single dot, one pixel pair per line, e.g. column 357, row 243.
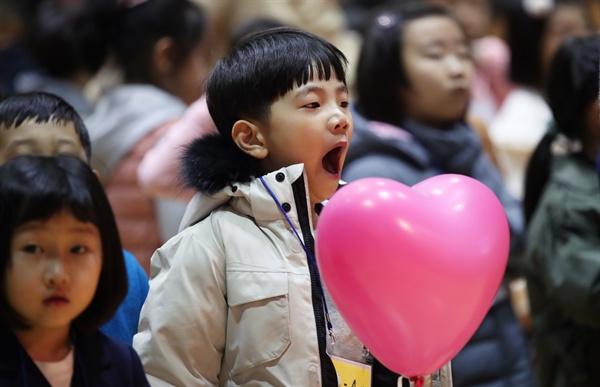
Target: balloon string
column 311, row 260
column 418, row 380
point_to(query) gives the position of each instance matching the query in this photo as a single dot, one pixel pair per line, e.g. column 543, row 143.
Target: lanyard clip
column 330, row 328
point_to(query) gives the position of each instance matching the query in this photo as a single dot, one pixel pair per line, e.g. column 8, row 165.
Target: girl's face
column 439, row 69
column 567, row 20
column 54, row 270
column 185, row 80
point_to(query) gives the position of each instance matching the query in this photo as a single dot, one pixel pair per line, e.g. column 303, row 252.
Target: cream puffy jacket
column 230, row 296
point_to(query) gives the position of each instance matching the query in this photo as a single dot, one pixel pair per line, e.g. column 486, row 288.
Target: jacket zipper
column 328, row 373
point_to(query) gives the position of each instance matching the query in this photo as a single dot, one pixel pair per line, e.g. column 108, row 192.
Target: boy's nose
column 339, row 122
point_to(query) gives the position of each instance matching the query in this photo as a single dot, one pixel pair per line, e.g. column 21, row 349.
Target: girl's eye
column 79, row 250
column 312, row 105
column 345, row 104
column 466, row 55
column 434, row 55
column 32, row 249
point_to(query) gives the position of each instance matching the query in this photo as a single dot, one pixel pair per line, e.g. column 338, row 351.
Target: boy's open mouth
column 331, row 161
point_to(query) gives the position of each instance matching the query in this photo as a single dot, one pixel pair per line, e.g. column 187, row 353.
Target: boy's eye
column 345, row 104
column 312, row 105
column 32, row 249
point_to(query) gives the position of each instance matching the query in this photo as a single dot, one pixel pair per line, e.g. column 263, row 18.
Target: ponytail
column 538, row 172
column 571, row 86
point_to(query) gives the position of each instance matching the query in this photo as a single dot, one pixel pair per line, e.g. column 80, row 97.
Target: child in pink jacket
column 158, row 171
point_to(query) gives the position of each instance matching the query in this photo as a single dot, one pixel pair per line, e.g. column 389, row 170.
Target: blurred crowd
column 135, row 72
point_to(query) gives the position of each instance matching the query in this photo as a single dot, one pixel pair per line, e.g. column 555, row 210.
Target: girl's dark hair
column 36, row 188
column 380, row 71
column 524, row 39
column 57, row 38
column 571, row 88
column 252, row 26
column 132, row 31
column 525, row 34
column 42, row 107
column 260, row 68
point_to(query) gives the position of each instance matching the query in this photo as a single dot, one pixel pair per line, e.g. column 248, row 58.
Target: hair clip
column 386, row 20
column 538, row 8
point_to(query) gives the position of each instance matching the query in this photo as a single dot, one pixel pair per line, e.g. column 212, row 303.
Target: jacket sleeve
column 568, row 262
column 181, row 333
column 486, row 172
column 136, row 368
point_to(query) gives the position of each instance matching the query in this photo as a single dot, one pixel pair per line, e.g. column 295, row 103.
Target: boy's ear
column 249, row 139
column 163, row 55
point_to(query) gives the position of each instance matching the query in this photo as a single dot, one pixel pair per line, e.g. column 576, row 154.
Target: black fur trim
column 210, row 163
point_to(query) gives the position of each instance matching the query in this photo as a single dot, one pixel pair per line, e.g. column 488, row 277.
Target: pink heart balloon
column 413, row 270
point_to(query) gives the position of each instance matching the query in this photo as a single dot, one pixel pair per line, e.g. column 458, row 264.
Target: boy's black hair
column 43, row 108
column 261, row 68
column 571, row 88
column 380, row 72
column 132, row 32
column 38, row 187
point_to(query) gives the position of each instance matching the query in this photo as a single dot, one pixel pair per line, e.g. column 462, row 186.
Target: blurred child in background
column 413, row 89
column 56, row 38
column 534, row 29
column 161, row 48
column 562, row 207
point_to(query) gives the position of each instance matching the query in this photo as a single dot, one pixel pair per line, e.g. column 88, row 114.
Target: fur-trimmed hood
column 213, row 162
column 251, row 198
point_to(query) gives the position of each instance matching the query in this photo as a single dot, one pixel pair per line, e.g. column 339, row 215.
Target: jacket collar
column 373, row 137
column 575, row 170
column 250, row 198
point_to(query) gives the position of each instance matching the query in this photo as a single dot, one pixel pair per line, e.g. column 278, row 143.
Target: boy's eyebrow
column 28, row 141
column 307, row 89
column 17, row 143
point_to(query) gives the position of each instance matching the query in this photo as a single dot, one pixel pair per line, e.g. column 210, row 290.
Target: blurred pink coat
column 159, row 169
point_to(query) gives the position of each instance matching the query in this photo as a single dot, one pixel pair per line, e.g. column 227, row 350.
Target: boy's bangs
column 309, row 65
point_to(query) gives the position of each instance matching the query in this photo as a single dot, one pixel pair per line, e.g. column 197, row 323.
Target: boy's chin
column 323, row 195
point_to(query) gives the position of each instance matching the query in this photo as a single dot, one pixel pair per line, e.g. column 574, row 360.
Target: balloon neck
column 419, row 381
